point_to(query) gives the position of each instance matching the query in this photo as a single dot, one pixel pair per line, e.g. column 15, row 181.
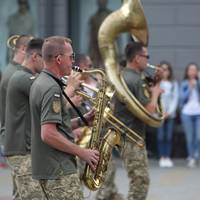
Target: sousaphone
column 129, row 18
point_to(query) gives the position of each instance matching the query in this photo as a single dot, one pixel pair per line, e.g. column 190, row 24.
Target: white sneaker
column 162, row 162
column 169, row 162
column 191, row 163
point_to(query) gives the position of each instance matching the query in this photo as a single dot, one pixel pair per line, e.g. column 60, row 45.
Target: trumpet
column 109, row 91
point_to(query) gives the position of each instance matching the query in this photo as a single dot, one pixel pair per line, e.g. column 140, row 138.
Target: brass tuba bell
column 129, row 18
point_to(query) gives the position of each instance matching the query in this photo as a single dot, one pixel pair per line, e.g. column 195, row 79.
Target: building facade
column 174, row 26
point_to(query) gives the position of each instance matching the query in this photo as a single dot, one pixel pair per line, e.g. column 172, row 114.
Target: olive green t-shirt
column 136, row 85
column 18, row 122
column 48, row 106
column 9, row 71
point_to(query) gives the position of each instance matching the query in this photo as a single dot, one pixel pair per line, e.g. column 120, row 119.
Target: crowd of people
column 38, row 132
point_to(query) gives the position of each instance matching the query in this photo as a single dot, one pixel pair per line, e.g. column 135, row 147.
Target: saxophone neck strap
column 61, row 84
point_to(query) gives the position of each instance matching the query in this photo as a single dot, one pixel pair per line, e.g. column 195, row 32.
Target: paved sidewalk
column 177, row 183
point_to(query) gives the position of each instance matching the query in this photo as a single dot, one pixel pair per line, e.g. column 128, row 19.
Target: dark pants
column 164, row 138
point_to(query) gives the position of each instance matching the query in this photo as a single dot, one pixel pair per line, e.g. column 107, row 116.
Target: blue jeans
column 191, row 125
column 164, row 138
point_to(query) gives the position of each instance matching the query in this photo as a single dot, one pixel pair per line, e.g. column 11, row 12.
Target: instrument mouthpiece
column 77, row 69
column 151, row 66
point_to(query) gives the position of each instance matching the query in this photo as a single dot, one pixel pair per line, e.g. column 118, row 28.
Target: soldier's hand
column 159, row 74
column 89, row 116
column 77, row 100
column 74, row 79
column 73, row 83
column 77, row 133
column 156, row 90
column 91, row 157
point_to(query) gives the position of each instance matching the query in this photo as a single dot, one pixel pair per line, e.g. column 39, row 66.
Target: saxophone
column 94, row 180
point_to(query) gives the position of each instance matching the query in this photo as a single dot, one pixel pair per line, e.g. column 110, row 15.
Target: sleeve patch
column 56, row 106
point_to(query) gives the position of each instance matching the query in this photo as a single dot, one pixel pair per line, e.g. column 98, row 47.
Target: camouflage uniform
column 26, row 186
column 136, row 164
column 56, row 170
column 134, row 157
column 67, row 187
column 109, row 190
column 17, row 135
column 11, row 68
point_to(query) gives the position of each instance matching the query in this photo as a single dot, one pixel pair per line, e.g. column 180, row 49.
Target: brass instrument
column 84, row 140
column 108, row 116
column 129, row 18
column 94, row 180
column 110, row 119
column 11, row 42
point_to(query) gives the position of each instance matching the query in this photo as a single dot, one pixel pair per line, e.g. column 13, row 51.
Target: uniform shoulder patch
column 56, row 105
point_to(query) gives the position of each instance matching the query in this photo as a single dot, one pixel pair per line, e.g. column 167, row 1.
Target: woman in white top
column 190, row 111
column 169, row 100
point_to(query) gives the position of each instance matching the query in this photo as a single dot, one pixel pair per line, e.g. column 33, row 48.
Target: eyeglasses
column 145, row 56
column 72, row 56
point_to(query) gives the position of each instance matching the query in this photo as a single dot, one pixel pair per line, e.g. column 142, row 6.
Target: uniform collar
column 27, row 70
column 141, row 74
column 50, row 73
column 133, row 70
column 15, row 64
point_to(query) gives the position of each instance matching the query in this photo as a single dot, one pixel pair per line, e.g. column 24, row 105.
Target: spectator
column 169, row 101
column 190, row 111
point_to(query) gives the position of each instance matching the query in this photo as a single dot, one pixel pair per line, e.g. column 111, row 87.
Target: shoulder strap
column 61, row 84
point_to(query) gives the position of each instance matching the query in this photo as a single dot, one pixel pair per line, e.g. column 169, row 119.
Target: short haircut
column 132, row 49
column 53, row 46
column 34, row 44
column 23, row 40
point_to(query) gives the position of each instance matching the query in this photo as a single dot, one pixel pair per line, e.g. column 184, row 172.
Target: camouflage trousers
column 26, row 187
column 136, row 164
column 67, row 187
column 109, row 190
